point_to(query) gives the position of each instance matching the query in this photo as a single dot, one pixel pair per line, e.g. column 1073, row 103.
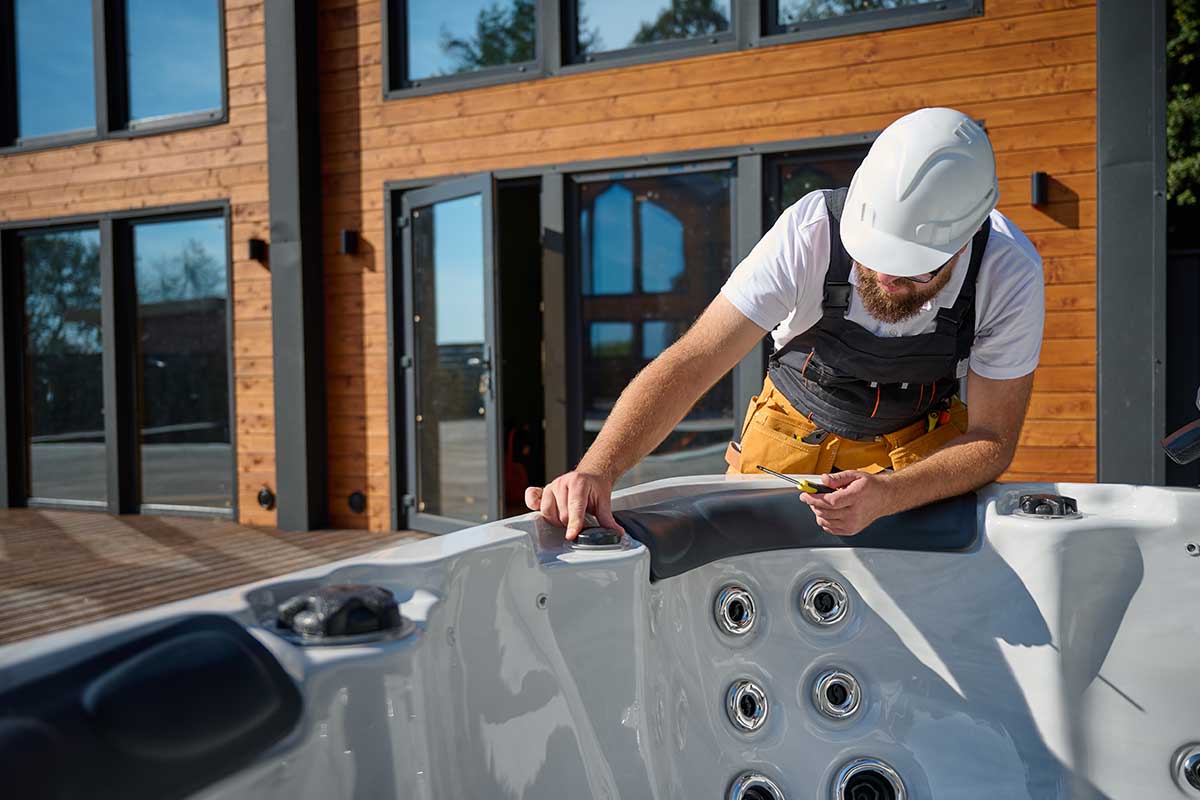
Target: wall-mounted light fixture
column 1039, row 191
column 258, row 251
column 349, row 243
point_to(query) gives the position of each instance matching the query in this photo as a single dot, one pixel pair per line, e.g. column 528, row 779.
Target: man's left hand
column 860, row 499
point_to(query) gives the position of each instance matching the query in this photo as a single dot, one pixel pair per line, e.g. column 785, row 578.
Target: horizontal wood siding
column 219, row 162
column 1027, row 68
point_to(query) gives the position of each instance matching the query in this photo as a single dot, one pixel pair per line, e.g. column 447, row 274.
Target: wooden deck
column 59, row 569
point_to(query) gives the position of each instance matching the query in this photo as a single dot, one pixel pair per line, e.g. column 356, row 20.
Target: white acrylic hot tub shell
column 1055, row 659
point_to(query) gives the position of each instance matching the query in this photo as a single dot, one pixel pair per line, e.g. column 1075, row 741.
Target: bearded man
column 881, row 299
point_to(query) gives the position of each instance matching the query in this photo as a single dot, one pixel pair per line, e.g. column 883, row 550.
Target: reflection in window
column 63, row 364
column 662, row 248
column 450, row 306
column 659, row 249
column 658, row 335
column 792, row 177
column 792, row 12
column 611, row 339
column 611, row 264
column 174, row 52
column 56, row 90
column 182, row 289
column 468, row 35
column 602, row 25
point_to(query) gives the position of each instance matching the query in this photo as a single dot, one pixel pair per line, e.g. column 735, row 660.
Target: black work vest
column 859, row 385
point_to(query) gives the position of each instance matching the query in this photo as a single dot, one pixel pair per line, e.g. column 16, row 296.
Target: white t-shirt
column 780, row 285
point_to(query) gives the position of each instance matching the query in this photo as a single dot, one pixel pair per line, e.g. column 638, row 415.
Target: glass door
column 452, row 437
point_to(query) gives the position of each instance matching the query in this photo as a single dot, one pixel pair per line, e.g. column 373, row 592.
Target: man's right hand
column 565, row 500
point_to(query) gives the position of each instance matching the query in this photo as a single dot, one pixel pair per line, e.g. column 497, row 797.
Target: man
column 880, row 299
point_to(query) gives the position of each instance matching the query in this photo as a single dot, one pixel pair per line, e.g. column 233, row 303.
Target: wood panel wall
column 1027, row 68
column 220, row 162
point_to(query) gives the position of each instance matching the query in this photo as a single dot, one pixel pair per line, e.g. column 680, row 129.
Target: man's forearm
column 649, row 409
column 968, row 462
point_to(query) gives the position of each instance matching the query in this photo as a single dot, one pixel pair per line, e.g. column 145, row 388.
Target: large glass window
column 606, row 25
column 789, row 177
column 440, row 38
column 164, row 67
column 174, row 57
column 652, row 252
column 55, row 80
column 182, row 292
column 63, row 354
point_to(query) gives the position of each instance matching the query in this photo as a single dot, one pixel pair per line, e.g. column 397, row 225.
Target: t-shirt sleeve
column 764, row 286
column 1008, row 338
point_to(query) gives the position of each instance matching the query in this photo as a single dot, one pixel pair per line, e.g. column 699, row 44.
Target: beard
column 897, row 307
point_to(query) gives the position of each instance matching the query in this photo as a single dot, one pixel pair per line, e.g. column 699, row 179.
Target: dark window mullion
column 112, row 79
column 8, row 72
column 14, row 405
column 118, row 312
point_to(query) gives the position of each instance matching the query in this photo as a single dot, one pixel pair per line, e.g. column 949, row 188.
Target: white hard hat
column 925, row 187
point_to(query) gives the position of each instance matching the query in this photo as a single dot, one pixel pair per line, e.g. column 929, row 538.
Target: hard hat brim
column 891, row 255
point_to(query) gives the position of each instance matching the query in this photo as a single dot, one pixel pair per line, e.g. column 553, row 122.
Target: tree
column 1183, row 124
column 808, row 10
column 62, row 292
column 683, row 19
column 191, row 274
column 505, row 33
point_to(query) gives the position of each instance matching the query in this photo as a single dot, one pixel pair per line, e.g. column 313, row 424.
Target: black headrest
column 689, row 532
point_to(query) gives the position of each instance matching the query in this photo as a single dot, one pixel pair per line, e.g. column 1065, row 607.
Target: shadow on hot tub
column 968, row 665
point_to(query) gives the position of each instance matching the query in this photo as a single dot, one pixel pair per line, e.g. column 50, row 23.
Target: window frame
column 122, row 387
column 725, row 42
column 111, row 75
column 882, row 19
column 396, row 83
column 751, row 27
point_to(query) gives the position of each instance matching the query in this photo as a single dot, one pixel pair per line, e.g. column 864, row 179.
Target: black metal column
column 118, row 299
column 12, row 400
column 297, row 315
column 1131, row 241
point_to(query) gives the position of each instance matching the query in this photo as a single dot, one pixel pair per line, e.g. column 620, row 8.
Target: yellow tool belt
column 773, row 434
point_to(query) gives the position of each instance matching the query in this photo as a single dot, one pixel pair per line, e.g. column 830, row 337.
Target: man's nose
column 886, row 279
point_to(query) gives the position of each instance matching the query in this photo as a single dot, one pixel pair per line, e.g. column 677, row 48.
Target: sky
column 458, row 270
column 156, row 246
column 55, row 76
column 174, row 57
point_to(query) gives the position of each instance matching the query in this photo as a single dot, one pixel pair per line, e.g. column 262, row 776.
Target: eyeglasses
column 926, row 277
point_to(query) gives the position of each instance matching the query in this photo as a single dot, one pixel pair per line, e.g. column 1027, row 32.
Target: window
column 436, row 46
column 173, row 52
column 811, row 19
column 182, row 293
column 162, row 68
column 122, row 357
column 432, row 40
column 63, row 354
column 652, row 250
column 595, row 27
column 55, row 76
column 788, row 177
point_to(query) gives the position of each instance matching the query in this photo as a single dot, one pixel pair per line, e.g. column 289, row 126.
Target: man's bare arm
column 649, row 409
column 977, row 457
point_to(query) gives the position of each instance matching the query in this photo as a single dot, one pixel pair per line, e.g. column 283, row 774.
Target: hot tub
column 730, row 650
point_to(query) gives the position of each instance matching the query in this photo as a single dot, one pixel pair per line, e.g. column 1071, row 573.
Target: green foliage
column 1183, row 106
column 62, row 293
column 683, row 19
column 809, row 10
column 505, row 33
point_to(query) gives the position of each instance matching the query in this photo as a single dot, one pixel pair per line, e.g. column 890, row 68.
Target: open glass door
column 453, row 477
